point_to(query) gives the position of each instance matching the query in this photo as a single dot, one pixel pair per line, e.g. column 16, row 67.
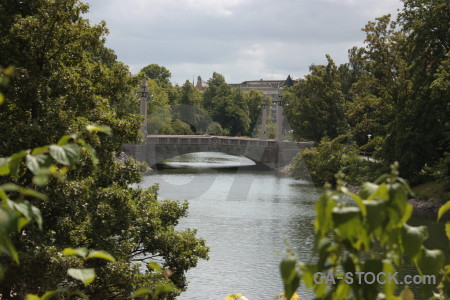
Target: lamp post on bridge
column 263, row 135
column 280, row 103
column 144, row 106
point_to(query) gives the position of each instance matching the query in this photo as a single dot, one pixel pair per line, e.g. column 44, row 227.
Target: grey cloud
column 291, row 35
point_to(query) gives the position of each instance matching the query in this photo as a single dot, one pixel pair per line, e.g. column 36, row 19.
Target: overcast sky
column 241, row 39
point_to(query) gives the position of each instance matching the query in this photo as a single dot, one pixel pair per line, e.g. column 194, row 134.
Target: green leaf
column 99, row 128
column 398, row 204
column 10, row 187
column 443, row 209
column 155, row 267
column 348, row 224
column 429, row 262
column 389, row 287
column 32, row 297
column 413, row 238
column 32, row 193
column 3, row 196
column 2, row 98
column 65, row 139
column 14, row 162
column 40, row 180
column 323, row 209
column 290, row 275
column 36, row 162
column 29, row 211
column 359, row 202
column 344, row 215
column 164, row 288
column 4, row 166
column 376, row 213
column 40, row 150
column 407, row 213
column 21, row 223
column 91, row 151
column 86, row 276
column 141, row 292
column 342, row 291
column 66, row 155
column 77, row 251
column 447, row 229
column 368, row 189
column 101, row 254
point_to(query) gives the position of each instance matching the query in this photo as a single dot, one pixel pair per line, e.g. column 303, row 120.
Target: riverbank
column 424, row 206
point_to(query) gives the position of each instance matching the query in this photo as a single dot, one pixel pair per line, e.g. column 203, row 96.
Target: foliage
column 254, row 100
column 190, row 95
column 226, row 106
column 43, row 162
column 65, row 79
column 325, row 160
column 160, row 74
column 315, row 107
column 215, row 129
column 395, row 89
column 420, row 125
column 159, row 119
column 363, row 170
column 369, row 235
column 177, row 127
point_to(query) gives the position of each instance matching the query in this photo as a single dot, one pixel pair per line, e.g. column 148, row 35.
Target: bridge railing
column 222, row 140
column 201, row 140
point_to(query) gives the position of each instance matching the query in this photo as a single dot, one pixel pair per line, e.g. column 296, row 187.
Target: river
column 246, row 216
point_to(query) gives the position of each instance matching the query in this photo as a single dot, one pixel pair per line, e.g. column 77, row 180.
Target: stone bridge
column 271, row 153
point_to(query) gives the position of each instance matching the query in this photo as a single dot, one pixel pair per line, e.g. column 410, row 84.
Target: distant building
column 200, row 84
column 271, row 89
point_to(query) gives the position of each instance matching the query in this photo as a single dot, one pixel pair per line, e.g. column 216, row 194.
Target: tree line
column 219, row 109
column 391, row 99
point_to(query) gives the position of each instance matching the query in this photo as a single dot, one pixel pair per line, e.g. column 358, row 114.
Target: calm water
column 245, row 216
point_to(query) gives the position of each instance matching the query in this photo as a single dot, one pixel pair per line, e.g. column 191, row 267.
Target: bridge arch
column 209, row 160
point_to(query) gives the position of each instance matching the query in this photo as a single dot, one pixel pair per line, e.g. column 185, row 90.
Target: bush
column 215, row 129
column 177, row 127
column 325, row 160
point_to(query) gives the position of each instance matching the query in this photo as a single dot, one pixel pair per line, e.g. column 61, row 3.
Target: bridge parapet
column 206, row 139
column 268, row 152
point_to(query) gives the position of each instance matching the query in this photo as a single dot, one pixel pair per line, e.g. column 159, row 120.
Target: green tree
column 158, row 73
column 418, row 135
column 226, row 105
column 217, row 88
column 254, row 100
column 350, row 72
column 321, row 163
column 190, row 95
column 66, row 79
column 315, row 107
